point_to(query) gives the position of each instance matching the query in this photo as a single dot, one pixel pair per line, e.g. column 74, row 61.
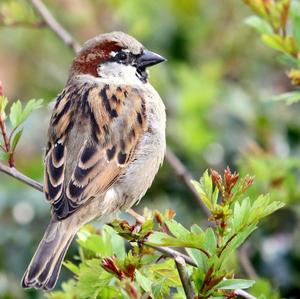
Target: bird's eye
column 121, row 56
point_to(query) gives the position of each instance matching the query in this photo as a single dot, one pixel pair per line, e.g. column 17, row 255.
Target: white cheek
column 118, row 72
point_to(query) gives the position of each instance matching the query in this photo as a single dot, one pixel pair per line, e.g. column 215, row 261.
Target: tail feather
column 44, row 268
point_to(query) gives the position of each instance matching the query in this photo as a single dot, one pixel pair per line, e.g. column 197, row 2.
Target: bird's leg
column 138, row 218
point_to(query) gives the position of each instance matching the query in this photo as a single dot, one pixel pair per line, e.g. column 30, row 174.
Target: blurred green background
column 217, row 86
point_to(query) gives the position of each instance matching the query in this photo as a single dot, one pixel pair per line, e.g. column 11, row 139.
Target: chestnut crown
column 117, row 48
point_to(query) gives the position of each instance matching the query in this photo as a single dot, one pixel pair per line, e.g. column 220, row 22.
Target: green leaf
column 274, row 41
column 177, row 229
column 198, row 257
column 158, row 288
column 117, row 242
column 30, row 106
column 188, row 240
column 289, row 97
column 167, row 271
column 15, row 114
column 288, row 60
column 18, row 116
column 235, row 242
column 205, row 189
column 73, row 268
column 16, row 140
column 92, row 278
column 143, row 281
column 233, row 284
column 198, row 276
column 296, row 30
column 196, row 229
column 259, row 24
column 241, row 214
column 210, row 242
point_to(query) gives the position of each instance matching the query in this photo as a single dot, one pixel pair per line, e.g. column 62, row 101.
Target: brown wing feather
column 91, row 140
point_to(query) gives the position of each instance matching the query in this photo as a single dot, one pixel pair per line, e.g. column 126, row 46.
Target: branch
column 6, row 141
column 185, row 176
column 52, row 23
column 11, row 171
column 184, row 277
column 244, row 294
column 246, row 263
column 167, row 251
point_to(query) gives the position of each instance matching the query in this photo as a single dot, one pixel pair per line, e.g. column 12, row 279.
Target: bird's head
column 114, row 55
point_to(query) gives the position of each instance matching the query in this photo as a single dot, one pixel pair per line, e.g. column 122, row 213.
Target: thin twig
column 11, row 171
column 246, row 263
column 167, row 251
column 244, row 294
column 185, row 176
column 184, row 277
column 6, row 142
column 52, row 23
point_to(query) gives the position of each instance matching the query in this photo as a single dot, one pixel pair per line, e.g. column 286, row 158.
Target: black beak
column 148, row 58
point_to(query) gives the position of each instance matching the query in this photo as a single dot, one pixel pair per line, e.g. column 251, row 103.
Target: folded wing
column 93, row 134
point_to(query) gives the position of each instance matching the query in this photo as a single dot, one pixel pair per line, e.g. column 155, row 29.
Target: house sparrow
column 106, row 141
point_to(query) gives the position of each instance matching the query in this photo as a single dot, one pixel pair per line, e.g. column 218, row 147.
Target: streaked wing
column 93, row 133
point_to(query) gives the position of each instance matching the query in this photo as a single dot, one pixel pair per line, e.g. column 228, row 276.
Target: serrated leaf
column 117, row 242
column 18, row 116
column 189, row 240
column 177, row 229
column 235, row 242
column 240, row 214
column 16, row 140
column 202, row 194
column 168, row 271
column 196, row 229
column 234, row 284
column 143, row 281
column 259, row 24
column 147, row 227
column 158, row 288
column 210, row 242
column 31, row 105
column 15, row 114
column 198, row 257
column 92, row 278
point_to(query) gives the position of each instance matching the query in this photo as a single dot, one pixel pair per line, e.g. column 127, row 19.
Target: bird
column 106, row 142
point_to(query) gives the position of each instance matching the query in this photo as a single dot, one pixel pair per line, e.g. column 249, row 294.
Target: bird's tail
column 44, row 268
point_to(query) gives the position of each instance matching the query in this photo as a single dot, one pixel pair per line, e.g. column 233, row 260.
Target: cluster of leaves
column 18, row 13
column 17, row 116
column 278, row 22
column 106, row 270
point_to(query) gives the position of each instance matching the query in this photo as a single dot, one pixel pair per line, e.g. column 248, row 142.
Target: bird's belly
column 139, row 175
